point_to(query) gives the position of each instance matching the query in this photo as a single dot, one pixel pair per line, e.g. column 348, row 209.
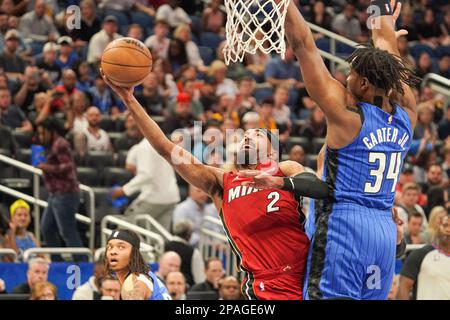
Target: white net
column 253, row 25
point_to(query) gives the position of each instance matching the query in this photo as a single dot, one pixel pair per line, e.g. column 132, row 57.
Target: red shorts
column 284, row 283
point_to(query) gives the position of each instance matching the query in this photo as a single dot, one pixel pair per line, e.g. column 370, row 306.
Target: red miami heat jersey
column 265, row 227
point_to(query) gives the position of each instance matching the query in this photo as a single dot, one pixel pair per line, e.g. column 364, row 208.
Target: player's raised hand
column 260, row 179
column 397, row 7
column 122, row 92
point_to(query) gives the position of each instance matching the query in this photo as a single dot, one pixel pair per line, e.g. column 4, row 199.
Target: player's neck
column 246, row 166
column 381, row 102
column 122, row 275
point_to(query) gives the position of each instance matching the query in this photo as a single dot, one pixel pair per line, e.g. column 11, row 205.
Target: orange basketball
column 126, row 62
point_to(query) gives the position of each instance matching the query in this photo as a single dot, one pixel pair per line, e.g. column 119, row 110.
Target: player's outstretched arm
column 385, row 37
column 296, row 180
column 207, row 178
column 326, row 91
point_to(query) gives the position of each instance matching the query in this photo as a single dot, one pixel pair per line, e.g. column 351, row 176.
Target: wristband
column 384, row 6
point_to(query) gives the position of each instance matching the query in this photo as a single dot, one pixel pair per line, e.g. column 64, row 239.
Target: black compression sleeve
column 400, row 249
column 306, row 184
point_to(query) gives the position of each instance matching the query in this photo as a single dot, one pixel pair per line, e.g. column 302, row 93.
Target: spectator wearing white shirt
column 156, row 182
column 93, row 138
column 76, row 117
column 173, row 14
column 90, row 289
column 218, row 71
column 101, row 39
column 194, row 209
column 37, row 27
column 159, row 42
column 183, row 33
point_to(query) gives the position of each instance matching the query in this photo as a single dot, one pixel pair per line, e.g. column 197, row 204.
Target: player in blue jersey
column 370, row 127
column 123, row 258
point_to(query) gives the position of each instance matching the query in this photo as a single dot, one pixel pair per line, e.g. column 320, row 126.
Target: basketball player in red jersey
column 264, row 226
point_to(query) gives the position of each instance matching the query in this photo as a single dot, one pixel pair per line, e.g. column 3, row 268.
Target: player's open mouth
column 113, row 261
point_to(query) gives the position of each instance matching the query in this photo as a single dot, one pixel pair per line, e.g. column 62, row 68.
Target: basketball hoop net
column 253, row 25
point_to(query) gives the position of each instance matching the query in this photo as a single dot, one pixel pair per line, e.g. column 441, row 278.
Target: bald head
column 94, row 117
column 169, row 262
column 229, row 288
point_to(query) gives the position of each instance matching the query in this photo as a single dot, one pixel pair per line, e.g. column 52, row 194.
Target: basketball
column 126, row 62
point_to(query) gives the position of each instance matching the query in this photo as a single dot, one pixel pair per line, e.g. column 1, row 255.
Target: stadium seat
column 116, row 176
column 88, row 176
column 344, row 49
column 113, row 136
column 99, row 159
column 122, row 157
column 211, row 40
column 24, row 155
column 317, row 144
column 442, row 51
column 323, row 44
column 24, row 139
column 207, row 55
column 6, row 171
column 103, row 205
column 107, row 124
column 419, row 48
column 121, row 143
column 302, row 141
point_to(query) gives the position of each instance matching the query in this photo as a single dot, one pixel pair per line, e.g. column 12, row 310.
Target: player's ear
column 364, row 84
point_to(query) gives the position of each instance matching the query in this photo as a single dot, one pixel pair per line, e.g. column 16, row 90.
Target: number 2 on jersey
column 392, row 173
column 275, row 196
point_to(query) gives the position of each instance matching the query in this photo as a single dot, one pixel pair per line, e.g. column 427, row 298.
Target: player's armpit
column 139, row 291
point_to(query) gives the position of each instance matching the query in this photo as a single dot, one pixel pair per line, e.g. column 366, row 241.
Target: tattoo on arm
column 139, row 292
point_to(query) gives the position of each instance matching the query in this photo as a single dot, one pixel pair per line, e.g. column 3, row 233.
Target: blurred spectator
column 320, row 17
column 173, row 14
column 10, row 61
column 444, row 126
column 93, row 138
column 446, row 160
column 177, row 55
column 37, row 272
column 192, row 264
column 44, row 291
column 445, row 28
column 131, row 136
column 425, row 159
column 135, row 31
column 76, row 116
column 159, row 42
column 251, row 120
column 214, row 272
column 19, row 238
column 284, row 71
column 281, row 112
column 428, row 30
column 10, row 115
column 226, row 108
column 102, row 97
column 266, row 120
column 444, row 65
column 150, row 97
column 183, row 33
column 394, row 288
column 244, row 98
column 101, row 39
column 424, row 275
column 409, row 204
column 191, row 88
column 434, row 178
column 31, row 85
column 229, row 289
column 61, row 182
column 346, row 24
column 167, row 85
column 213, row 18
column 315, row 126
column 407, row 22
column 181, row 116
column 128, row 12
column 176, row 285
column 155, row 181
column 37, row 27
column 47, row 63
column 66, row 89
column 67, row 57
column 91, row 289
column 194, row 208
column 109, row 289
column 218, row 71
column 212, row 140
column 435, row 218
column 84, row 80
column 169, row 262
column 414, row 228
column 424, row 65
column 90, row 24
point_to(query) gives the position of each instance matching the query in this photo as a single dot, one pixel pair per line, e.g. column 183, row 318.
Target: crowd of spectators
column 51, row 94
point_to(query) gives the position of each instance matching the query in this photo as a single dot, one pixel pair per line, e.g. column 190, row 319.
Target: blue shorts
column 352, row 253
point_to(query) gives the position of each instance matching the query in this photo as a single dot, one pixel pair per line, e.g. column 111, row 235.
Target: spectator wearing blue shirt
column 102, row 97
column 66, row 57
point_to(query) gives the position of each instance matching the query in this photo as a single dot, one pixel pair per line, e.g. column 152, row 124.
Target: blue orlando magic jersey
column 366, row 171
column 159, row 289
